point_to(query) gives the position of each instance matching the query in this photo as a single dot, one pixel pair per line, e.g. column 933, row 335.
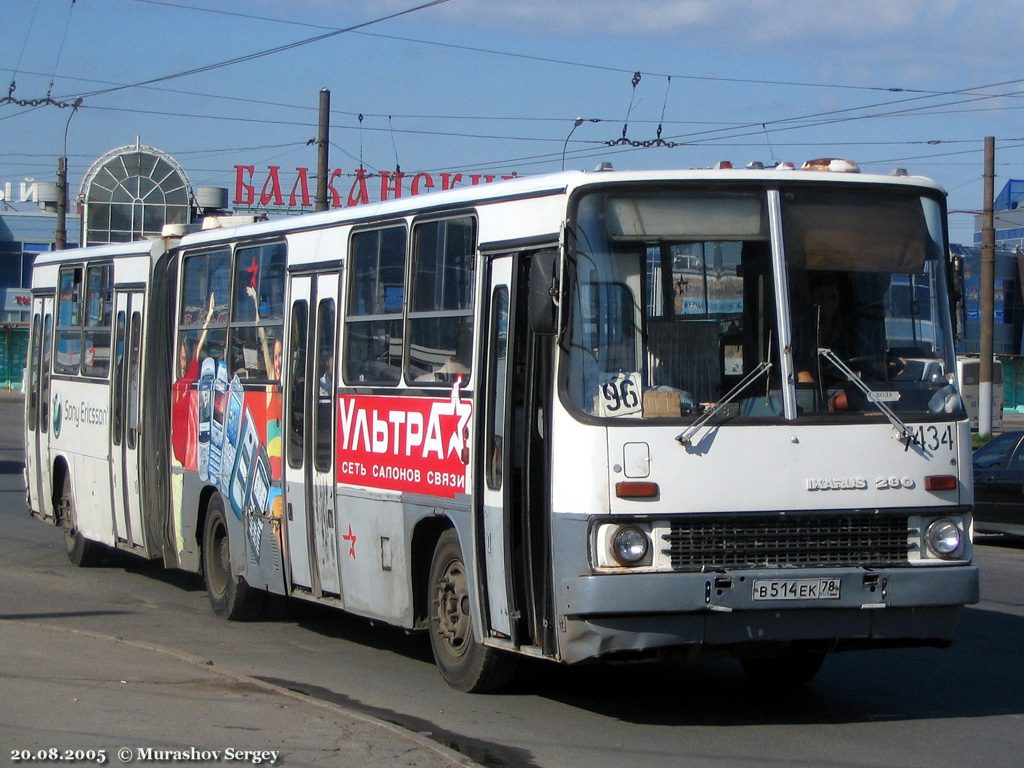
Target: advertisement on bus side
column 406, row 444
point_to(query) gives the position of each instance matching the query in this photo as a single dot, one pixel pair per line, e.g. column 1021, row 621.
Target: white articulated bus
column 85, row 449
column 576, row 416
column 968, row 375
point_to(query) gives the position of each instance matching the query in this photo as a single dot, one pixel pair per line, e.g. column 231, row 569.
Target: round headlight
column 944, row 537
column 630, row 545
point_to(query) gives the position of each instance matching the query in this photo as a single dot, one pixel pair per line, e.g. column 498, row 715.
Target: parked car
column 999, row 485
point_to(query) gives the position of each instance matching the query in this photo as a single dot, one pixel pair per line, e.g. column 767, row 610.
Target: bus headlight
column 944, row 538
column 630, row 545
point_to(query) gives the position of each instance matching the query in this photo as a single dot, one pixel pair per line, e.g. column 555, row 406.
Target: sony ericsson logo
column 66, row 413
column 58, row 415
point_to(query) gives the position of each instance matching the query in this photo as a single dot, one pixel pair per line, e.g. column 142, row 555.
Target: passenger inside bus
column 327, row 376
column 826, row 327
column 184, row 407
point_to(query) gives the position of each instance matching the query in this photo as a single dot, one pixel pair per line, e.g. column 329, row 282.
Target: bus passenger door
column 298, row 546
column 124, row 416
column 322, row 518
column 37, row 416
column 309, row 466
column 517, row 387
column 497, row 444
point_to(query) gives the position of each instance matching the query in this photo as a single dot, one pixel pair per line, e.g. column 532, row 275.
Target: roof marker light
column 833, row 164
column 722, row 165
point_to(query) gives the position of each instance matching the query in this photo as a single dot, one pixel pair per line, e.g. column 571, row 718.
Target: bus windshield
column 674, row 303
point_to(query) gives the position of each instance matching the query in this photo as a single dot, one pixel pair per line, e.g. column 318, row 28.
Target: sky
column 496, row 86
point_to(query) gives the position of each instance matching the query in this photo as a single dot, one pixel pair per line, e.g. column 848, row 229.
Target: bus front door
column 515, row 508
column 497, row 443
column 37, row 416
column 309, row 467
column 126, row 357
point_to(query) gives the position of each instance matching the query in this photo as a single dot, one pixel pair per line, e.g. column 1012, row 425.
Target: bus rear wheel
column 230, row 596
column 465, row 664
column 81, row 552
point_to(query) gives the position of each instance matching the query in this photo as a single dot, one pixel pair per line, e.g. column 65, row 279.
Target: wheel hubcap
column 452, row 601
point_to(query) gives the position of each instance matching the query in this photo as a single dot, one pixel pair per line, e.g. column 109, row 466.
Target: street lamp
column 60, row 234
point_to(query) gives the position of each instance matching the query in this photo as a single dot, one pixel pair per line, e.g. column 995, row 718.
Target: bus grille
column 791, row 541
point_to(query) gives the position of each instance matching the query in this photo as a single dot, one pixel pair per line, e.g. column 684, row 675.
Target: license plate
column 796, row 589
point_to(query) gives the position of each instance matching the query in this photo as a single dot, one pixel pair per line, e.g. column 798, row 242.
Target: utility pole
column 60, row 234
column 988, row 271
column 322, row 142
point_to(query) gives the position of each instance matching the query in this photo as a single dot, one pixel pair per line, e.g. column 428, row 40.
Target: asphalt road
column 919, row 707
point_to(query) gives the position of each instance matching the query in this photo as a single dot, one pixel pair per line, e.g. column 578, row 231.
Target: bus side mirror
column 959, row 310
column 543, row 293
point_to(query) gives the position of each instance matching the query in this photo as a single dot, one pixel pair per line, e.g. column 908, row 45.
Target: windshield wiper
column 904, row 432
column 686, row 436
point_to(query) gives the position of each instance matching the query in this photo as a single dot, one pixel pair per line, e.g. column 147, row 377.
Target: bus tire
column 81, row 551
column 465, row 664
column 787, row 671
column 231, row 597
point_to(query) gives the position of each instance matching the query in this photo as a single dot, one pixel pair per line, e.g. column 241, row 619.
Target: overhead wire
column 24, row 44
column 266, row 51
column 723, row 131
column 60, row 49
column 542, row 59
column 48, row 100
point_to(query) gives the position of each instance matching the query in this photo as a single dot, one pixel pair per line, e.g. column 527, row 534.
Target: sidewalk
column 75, row 690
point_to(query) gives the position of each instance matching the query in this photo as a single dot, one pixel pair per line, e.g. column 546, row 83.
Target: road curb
column 208, row 666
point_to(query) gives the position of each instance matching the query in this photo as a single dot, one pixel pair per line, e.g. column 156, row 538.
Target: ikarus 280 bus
column 580, row 416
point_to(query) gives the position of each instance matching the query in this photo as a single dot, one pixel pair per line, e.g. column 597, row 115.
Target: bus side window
column 323, row 416
column 440, row 333
column 297, row 383
column 257, row 311
column 99, row 305
column 373, row 310
column 33, row 373
column 497, row 373
column 203, row 318
column 69, row 321
column 134, row 368
column 44, row 386
column 117, row 396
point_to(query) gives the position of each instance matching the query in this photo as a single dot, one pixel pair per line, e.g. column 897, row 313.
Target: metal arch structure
column 84, row 192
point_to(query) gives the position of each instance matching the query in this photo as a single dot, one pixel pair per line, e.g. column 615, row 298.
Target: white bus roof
column 531, row 186
column 535, row 186
column 108, row 250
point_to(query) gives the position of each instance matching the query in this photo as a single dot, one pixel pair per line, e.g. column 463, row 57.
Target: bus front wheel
column 81, row 551
column 465, row 664
column 230, row 596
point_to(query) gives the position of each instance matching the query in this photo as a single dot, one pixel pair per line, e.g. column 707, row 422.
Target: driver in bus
column 847, row 331
column 824, row 328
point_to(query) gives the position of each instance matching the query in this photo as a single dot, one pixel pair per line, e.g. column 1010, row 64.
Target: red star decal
column 253, row 270
column 351, row 539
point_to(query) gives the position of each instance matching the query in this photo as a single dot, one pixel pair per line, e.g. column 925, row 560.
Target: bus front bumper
column 888, row 607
